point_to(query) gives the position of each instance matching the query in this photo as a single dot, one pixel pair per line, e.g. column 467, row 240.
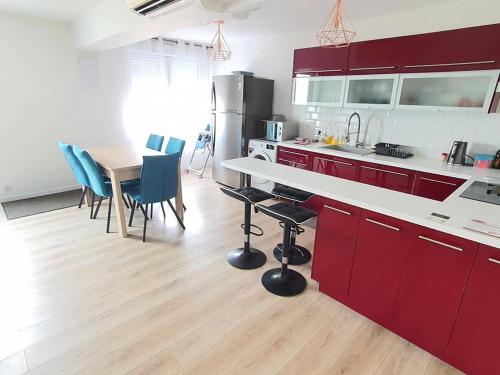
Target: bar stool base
column 288, row 285
column 246, row 260
column 298, row 255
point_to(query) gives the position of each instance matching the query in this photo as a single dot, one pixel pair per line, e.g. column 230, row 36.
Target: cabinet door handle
column 338, row 210
column 372, row 68
column 440, row 243
column 293, row 153
column 385, row 171
column 336, row 161
column 290, row 162
column 493, row 260
column 451, row 64
column 319, row 71
column 437, row 181
column 383, row 225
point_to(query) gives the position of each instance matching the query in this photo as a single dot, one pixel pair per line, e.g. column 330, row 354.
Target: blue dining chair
column 155, row 142
column 159, row 177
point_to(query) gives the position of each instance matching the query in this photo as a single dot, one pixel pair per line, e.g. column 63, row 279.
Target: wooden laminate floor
column 77, row 300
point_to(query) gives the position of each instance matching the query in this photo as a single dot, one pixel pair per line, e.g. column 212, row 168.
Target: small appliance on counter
column 458, row 153
column 392, row 150
column 280, row 130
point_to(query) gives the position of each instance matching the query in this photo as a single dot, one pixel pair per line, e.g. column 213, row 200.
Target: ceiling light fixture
column 220, row 50
column 334, row 32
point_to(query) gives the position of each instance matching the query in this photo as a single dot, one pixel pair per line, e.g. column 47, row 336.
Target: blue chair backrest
column 175, row 146
column 74, row 163
column 155, row 142
column 93, row 172
column 159, row 178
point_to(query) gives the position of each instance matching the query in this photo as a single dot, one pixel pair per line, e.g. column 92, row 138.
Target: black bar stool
column 298, row 254
column 284, row 281
column 247, row 258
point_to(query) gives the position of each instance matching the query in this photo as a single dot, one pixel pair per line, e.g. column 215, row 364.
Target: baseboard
column 40, row 193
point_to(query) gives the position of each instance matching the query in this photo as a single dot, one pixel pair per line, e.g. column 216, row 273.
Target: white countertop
column 403, row 206
column 414, row 163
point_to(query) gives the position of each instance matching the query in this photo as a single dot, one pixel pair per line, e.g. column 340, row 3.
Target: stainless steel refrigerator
column 240, row 103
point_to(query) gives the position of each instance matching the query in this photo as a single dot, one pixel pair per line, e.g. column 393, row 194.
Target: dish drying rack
column 393, row 150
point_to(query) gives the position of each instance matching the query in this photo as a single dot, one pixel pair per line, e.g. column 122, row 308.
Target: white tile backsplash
column 430, row 133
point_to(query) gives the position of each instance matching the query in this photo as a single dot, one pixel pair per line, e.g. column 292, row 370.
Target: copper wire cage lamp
column 220, row 50
column 334, row 32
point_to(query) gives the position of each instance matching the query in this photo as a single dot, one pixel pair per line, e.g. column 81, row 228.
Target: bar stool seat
column 298, row 254
column 246, row 257
column 284, row 281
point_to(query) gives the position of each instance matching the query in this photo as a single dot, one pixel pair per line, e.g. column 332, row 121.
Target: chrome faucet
column 348, row 136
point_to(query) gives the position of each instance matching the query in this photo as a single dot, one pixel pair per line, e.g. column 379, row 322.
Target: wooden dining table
column 123, row 163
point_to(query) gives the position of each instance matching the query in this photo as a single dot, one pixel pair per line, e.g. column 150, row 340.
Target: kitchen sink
column 350, row 149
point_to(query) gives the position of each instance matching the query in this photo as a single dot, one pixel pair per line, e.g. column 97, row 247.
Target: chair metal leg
column 125, row 201
column 144, row 212
column 145, row 225
column 176, row 215
column 151, row 216
column 83, row 197
column 184, row 206
column 109, row 213
column 92, row 206
column 98, row 207
column 132, row 206
column 163, row 209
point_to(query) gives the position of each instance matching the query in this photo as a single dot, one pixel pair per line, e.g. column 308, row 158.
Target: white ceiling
column 61, row 10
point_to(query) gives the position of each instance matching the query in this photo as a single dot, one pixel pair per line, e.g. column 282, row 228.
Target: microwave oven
column 281, row 131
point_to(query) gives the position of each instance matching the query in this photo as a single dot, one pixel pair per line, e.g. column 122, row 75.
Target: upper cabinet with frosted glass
column 371, row 91
column 320, row 91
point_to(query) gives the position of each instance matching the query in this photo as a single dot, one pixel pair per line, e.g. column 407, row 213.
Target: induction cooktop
column 483, row 192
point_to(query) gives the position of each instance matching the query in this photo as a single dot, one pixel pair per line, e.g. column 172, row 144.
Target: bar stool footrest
column 246, row 260
column 256, row 234
column 289, row 284
column 298, row 255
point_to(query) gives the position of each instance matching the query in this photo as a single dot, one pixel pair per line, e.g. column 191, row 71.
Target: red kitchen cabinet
column 294, row 158
column 435, row 186
column 336, row 236
column 431, row 288
column 319, row 61
column 474, row 48
column 381, row 56
column 387, row 177
column 380, row 257
column 335, row 166
column 474, row 345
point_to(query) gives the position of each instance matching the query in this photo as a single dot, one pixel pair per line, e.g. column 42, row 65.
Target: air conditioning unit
column 155, row 7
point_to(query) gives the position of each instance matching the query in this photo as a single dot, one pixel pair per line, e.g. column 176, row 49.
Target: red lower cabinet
column 475, row 343
column 334, row 248
column 380, row 257
column 435, row 186
column 294, row 158
column 335, row 166
column 386, row 177
column 432, row 286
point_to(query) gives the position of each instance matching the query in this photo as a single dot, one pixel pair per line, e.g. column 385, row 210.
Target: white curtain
column 169, row 91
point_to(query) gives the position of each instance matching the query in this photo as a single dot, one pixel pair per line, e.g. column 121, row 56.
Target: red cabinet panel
column 380, row 256
column 294, row 158
column 432, row 286
column 435, row 186
column 375, row 56
column 474, row 48
column 336, row 235
column 335, row 166
column 475, row 345
column 320, row 61
column 387, row 177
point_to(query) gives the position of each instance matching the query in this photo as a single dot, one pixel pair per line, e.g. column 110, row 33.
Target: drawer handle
column 439, row 182
column 383, row 225
column 385, row 171
column 291, row 162
column 338, row 210
column 372, row 68
column 440, row 243
column 493, row 260
column 451, row 64
column 294, row 153
column 336, row 161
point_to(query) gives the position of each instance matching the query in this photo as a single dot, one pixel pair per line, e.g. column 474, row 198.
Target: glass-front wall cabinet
column 322, row 91
column 371, row 91
column 465, row 91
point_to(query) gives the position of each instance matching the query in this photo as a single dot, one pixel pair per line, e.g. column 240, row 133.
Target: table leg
column 88, row 196
column 118, row 201
column 179, row 203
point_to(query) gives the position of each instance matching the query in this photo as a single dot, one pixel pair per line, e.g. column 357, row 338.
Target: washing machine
column 263, row 150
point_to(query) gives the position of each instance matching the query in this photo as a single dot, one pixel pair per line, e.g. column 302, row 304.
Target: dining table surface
column 123, row 163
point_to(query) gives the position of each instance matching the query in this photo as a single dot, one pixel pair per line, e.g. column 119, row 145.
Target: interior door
column 229, row 94
column 227, row 145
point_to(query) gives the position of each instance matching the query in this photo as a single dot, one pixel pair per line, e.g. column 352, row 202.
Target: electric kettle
column 458, row 153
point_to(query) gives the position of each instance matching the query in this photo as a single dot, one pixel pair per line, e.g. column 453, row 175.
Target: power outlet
column 8, row 189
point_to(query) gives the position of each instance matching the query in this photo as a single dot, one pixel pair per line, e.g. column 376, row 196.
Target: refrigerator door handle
column 214, row 121
column 214, row 98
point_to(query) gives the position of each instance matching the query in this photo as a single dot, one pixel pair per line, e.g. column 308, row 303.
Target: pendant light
column 334, row 32
column 220, row 50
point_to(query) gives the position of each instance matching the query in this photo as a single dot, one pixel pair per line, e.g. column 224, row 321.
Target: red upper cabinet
column 320, row 61
column 391, row 178
column 295, row 158
column 474, row 345
column 474, row 48
column 432, row 286
column 335, row 166
column 382, row 56
column 434, row 186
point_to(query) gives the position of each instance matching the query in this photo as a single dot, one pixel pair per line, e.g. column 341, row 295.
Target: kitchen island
column 384, row 254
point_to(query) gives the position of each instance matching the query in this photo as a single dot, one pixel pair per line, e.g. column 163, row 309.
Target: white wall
column 272, row 57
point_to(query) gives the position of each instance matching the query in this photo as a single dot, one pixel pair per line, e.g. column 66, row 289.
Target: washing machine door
column 261, row 156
